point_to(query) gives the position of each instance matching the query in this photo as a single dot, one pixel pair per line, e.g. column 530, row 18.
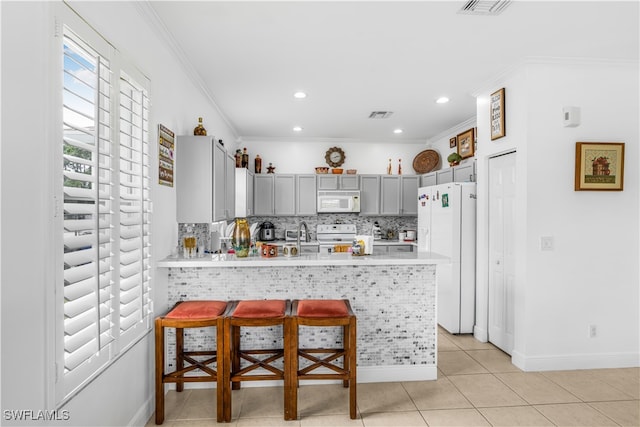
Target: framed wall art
column 166, row 142
column 452, row 142
column 466, row 146
column 496, row 104
column 599, row 166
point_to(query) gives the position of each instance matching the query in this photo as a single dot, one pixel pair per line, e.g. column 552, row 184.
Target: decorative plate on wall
column 426, row 161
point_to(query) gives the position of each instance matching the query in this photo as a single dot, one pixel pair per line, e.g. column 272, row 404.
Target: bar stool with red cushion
column 191, row 314
column 259, row 363
column 322, row 313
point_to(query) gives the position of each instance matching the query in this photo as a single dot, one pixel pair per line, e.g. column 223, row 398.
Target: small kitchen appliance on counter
column 292, row 235
column 267, row 232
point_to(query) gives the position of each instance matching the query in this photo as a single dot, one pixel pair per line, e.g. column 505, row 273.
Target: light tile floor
column 477, row 386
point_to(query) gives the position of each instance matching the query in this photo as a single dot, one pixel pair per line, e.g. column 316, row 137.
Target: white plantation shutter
column 134, row 207
column 103, row 291
column 88, row 215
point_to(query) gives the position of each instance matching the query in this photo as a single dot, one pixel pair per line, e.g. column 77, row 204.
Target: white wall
column 591, row 276
column 126, row 388
column 305, row 156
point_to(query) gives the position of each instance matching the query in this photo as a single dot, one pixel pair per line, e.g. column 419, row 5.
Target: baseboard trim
column 575, row 361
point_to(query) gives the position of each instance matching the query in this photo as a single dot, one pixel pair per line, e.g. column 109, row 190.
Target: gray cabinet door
column 219, row 182
column 464, row 173
column 263, row 196
column 428, row 179
column 338, row 182
column 445, row 176
column 349, row 182
column 306, row 195
column 390, row 195
column 284, row 194
column 369, row 194
column 194, row 179
column 327, row 182
column 244, row 192
column 230, row 184
column 409, row 195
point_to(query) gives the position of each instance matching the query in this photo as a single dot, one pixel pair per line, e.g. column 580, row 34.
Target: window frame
column 65, row 385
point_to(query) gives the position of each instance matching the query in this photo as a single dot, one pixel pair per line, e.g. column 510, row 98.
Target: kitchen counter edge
column 229, row 260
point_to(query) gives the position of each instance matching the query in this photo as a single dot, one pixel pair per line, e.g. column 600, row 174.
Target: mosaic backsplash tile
column 364, row 224
column 395, row 306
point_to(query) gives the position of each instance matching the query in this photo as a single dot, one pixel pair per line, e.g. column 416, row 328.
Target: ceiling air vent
column 484, row 7
column 380, row 114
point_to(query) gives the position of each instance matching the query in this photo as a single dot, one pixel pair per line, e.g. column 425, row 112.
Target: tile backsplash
column 364, row 225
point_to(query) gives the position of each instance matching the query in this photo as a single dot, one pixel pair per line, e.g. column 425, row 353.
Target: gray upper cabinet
column 230, row 186
column 244, row 192
column 369, row 194
column 390, row 195
column 409, row 201
column 284, row 194
column 338, row 182
column 465, row 172
column 263, row 199
column 200, row 180
column 445, row 176
column 428, row 179
column 306, row 195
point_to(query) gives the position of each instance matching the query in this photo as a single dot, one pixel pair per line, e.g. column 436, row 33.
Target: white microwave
column 338, row 201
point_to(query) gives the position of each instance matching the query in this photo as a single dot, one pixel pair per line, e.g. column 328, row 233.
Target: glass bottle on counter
column 189, row 243
column 241, row 238
column 200, row 130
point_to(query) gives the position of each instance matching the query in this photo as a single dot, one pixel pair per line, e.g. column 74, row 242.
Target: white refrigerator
column 447, row 226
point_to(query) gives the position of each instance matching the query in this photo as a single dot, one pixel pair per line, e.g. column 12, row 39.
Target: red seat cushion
column 260, row 308
column 197, row 310
column 322, row 308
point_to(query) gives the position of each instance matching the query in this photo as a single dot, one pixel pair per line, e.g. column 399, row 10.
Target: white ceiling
column 353, row 58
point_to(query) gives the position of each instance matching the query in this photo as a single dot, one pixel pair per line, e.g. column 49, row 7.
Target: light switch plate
column 546, row 243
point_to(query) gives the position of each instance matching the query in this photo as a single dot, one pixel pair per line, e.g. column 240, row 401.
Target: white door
column 502, row 194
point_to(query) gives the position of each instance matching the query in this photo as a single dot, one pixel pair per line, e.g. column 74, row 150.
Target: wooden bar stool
column 253, row 313
column 322, row 313
column 191, row 314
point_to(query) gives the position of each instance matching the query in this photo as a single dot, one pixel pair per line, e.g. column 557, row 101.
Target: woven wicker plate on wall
column 426, row 161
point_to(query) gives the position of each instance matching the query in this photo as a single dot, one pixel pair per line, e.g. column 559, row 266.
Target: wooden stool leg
column 179, row 355
column 220, row 371
column 226, row 360
column 291, row 369
column 159, row 333
column 346, row 346
column 352, row 337
column 235, row 354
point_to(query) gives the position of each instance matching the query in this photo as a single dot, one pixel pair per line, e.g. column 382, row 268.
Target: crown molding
column 146, row 10
column 460, row 127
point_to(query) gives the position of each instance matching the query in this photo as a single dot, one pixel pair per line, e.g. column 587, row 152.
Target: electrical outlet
column 593, row 331
column 546, row 243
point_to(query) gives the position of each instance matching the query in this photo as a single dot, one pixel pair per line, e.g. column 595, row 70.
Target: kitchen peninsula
column 393, row 295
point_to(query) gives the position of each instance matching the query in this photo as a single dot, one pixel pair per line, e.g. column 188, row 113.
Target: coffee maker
column 267, row 232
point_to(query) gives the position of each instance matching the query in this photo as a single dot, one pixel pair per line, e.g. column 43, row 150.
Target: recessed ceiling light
column 397, row 131
column 300, row 95
column 297, row 129
column 442, row 100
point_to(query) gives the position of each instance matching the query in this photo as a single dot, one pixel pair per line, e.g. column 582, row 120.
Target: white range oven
column 331, row 235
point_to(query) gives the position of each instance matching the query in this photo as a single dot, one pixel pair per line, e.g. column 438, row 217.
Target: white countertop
column 334, row 259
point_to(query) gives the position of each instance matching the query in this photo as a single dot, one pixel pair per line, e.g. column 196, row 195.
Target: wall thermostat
column 571, row 116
